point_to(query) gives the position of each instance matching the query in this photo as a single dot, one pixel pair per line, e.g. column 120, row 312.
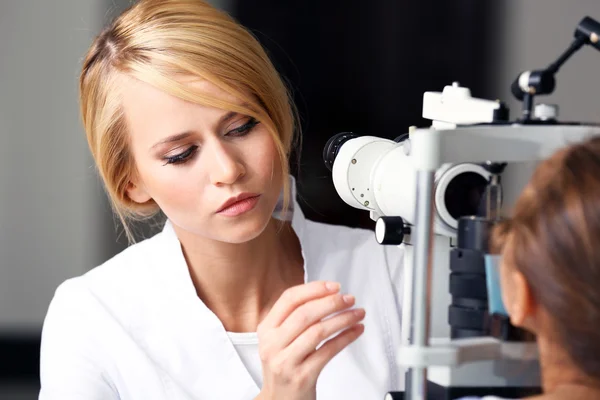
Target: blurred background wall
column 49, row 207
column 353, row 66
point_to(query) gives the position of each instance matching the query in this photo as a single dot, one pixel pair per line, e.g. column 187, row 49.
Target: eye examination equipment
column 437, row 192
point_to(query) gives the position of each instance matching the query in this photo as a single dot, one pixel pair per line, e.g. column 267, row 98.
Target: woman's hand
column 290, row 333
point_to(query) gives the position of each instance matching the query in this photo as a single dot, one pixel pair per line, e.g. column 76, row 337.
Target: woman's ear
column 137, row 193
column 520, row 303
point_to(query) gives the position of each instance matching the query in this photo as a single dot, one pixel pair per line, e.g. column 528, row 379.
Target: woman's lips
column 240, row 207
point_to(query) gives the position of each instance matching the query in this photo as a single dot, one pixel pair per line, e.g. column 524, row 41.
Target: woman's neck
column 561, row 378
column 240, row 282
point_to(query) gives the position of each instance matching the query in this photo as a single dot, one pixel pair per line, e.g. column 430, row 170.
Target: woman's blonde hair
column 158, row 42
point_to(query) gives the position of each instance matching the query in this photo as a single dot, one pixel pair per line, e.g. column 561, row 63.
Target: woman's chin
column 236, row 230
column 244, row 230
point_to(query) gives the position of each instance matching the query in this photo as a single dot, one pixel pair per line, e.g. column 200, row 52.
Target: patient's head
column 551, row 256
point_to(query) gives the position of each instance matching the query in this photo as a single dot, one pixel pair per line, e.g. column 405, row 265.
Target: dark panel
column 19, row 358
column 363, row 67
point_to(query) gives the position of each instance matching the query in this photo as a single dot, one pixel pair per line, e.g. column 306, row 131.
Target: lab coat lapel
column 186, row 338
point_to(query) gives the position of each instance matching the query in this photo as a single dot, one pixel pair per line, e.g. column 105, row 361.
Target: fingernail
column 349, row 299
column 359, row 312
column 332, row 286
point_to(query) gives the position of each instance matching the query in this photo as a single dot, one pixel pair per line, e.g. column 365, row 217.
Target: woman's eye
column 244, row 129
column 182, row 157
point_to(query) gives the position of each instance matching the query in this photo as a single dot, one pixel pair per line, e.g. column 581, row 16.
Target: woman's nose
column 225, row 166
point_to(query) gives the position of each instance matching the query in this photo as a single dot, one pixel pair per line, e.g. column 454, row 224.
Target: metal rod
column 576, row 45
column 421, row 274
column 527, row 106
column 407, row 319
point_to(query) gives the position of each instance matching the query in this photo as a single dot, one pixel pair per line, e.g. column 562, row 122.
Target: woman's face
column 192, row 159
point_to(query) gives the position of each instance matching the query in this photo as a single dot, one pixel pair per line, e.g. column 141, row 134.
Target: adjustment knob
column 390, row 230
column 455, row 92
column 546, row 111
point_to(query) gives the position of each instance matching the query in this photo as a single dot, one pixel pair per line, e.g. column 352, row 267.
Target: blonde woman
column 239, row 296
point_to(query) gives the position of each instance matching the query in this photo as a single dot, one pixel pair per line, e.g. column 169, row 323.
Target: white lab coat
column 134, row 328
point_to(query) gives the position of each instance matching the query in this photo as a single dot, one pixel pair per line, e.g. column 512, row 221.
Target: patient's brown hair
column 553, row 239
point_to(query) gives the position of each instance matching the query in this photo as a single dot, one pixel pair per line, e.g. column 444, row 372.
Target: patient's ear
column 522, row 306
column 137, row 193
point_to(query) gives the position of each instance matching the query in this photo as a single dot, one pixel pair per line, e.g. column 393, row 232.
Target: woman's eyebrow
column 179, row 136
column 172, row 138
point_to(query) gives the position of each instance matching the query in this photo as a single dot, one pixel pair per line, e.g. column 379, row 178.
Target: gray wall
column 48, row 198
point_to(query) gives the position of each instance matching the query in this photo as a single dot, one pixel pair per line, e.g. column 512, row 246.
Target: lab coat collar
column 295, row 214
column 201, row 357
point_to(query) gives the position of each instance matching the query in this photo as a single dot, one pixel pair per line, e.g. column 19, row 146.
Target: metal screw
column 366, row 203
column 354, row 161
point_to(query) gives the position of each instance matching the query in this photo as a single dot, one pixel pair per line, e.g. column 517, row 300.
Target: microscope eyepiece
column 332, row 147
